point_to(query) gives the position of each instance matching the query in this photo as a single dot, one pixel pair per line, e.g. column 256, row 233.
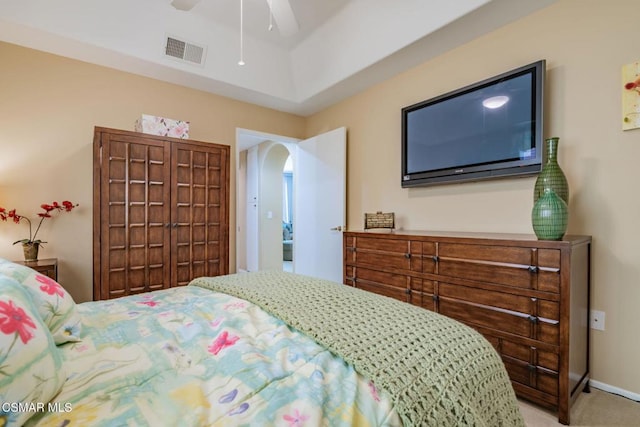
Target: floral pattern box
column 156, row 125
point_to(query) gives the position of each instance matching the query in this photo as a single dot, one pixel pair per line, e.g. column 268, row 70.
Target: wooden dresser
column 528, row 297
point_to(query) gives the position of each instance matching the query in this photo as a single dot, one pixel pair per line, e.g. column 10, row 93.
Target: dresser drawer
column 524, row 354
column 532, row 376
column 391, row 260
column 549, row 258
column 385, row 245
column 529, row 366
column 381, row 289
column 422, row 299
column 405, row 288
column 515, row 275
column 512, row 302
column 529, row 355
column 519, row 267
column 494, row 318
column 392, row 253
column 383, row 278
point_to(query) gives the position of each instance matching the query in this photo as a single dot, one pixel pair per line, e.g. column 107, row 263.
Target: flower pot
column 30, row 251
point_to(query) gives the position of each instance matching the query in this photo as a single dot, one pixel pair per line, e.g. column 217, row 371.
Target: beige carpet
column 595, row 409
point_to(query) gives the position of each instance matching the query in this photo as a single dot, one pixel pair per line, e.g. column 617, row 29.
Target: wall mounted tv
column 490, row 129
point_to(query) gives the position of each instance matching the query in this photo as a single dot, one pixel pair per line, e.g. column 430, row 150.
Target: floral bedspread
column 189, row 356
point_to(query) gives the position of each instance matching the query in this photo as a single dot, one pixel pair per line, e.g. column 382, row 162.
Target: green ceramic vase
column 551, row 176
column 550, row 216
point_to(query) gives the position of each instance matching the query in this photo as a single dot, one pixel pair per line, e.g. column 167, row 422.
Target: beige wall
column 585, row 43
column 49, row 106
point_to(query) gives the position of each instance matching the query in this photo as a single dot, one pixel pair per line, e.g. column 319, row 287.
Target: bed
column 263, row 348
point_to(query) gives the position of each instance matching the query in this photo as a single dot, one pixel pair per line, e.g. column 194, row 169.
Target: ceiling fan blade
column 185, row 5
column 284, row 17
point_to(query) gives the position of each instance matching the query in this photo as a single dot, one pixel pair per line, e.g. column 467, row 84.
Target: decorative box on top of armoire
column 528, row 297
column 160, row 212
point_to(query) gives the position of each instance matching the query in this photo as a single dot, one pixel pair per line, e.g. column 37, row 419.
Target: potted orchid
column 32, row 244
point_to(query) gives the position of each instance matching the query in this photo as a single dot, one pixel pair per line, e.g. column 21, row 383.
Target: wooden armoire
column 160, row 212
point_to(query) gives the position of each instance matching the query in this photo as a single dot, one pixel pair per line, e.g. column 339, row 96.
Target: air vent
column 184, row 51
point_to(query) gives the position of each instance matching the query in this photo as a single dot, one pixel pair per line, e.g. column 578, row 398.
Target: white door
column 319, row 203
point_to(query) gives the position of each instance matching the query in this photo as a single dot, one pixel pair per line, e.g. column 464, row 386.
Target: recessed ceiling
column 341, row 47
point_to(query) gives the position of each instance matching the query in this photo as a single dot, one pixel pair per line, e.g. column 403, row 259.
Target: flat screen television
column 490, row 129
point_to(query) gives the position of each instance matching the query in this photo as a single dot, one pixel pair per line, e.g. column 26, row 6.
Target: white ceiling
column 342, row 47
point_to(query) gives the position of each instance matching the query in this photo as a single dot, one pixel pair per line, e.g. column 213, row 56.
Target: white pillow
column 30, row 363
column 56, row 307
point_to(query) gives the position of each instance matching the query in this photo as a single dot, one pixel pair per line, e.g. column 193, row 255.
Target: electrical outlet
column 597, row 320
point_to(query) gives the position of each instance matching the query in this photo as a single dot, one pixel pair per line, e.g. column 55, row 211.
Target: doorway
column 264, row 202
column 319, row 202
column 287, row 215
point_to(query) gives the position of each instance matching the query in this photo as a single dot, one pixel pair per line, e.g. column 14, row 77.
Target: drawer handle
column 407, row 291
column 531, row 368
column 533, row 269
column 533, row 319
column 407, row 256
column 435, row 297
column 435, row 258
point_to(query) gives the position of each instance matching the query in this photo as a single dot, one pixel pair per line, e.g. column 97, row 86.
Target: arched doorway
column 271, row 225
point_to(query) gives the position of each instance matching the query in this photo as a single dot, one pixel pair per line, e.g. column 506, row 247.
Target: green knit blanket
column 437, row 371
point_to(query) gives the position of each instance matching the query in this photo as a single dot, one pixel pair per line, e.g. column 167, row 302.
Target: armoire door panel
column 133, row 212
column 215, row 268
column 196, row 194
column 214, row 174
column 199, row 215
column 188, row 260
column 215, row 242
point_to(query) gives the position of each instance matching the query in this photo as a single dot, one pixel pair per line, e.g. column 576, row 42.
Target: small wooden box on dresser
column 528, row 297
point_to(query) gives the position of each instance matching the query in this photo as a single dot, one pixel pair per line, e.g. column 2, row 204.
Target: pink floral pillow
column 31, row 369
column 56, row 307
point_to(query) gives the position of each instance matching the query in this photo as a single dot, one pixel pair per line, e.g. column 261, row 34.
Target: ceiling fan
column 280, row 10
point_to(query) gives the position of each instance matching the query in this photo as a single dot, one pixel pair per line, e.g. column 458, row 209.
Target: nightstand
column 48, row 267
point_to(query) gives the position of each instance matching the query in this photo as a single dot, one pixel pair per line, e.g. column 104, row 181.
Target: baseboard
column 615, row 390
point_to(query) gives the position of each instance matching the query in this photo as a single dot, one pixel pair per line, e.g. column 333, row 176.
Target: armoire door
column 199, row 213
column 134, row 215
column 161, row 212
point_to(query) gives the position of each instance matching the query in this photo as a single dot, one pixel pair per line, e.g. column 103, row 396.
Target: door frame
column 245, row 139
